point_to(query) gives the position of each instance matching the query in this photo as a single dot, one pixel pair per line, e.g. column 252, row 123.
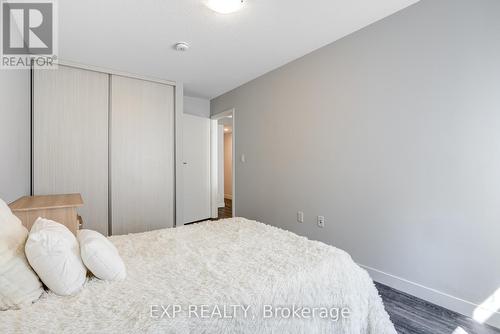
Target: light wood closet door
column 70, row 139
column 142, row 155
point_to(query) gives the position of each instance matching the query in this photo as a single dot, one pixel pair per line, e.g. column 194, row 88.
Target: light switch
column 300, row 216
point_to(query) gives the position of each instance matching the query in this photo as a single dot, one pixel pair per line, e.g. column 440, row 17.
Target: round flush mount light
column 225, row 6
column 181, row 46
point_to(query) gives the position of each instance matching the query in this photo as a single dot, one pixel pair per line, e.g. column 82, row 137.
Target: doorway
column 222, row 157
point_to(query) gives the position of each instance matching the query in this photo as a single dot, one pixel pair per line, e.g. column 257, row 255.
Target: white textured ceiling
column 226, row 50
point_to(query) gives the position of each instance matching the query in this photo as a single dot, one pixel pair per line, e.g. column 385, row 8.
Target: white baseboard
column 431, row 295
column 228, row 196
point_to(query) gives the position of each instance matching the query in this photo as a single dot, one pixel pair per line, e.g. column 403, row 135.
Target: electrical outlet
column 321, row 221
column 300, row 216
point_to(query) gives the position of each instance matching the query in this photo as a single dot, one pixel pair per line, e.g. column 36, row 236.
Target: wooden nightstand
column 59, row 208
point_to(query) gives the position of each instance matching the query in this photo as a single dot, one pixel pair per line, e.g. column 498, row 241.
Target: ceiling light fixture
column 225, row 6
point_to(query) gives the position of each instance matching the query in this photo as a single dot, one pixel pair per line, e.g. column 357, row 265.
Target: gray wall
column 393, row 134
column 197, row 106
column 14, row 134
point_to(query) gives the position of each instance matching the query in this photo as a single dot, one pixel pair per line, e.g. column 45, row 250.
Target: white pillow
column 19, row 285
column 54, row 254
column 101, row 256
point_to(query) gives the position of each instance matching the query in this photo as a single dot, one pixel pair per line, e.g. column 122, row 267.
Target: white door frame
column 214, row 158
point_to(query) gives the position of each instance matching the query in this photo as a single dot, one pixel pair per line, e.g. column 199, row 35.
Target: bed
column 201, row 278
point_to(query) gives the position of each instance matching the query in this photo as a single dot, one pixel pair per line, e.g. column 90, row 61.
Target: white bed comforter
column 214, row 266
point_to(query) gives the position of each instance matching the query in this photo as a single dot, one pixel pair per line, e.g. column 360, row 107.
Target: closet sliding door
column 70, row 139
column 142, row 155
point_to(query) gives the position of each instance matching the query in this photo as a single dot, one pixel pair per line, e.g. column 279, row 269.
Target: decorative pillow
column 19, row 285
column 53, row 252
column 101, row 256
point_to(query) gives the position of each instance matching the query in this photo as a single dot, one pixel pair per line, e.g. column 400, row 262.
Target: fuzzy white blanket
column 231, row 276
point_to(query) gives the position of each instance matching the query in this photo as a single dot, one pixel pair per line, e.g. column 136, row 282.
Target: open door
column 196, row 168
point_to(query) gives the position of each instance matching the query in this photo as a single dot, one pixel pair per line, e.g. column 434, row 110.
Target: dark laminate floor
column 411, row 315
column 227, row 211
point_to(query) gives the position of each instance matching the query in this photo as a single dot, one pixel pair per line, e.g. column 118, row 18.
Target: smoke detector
column 181, row 46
